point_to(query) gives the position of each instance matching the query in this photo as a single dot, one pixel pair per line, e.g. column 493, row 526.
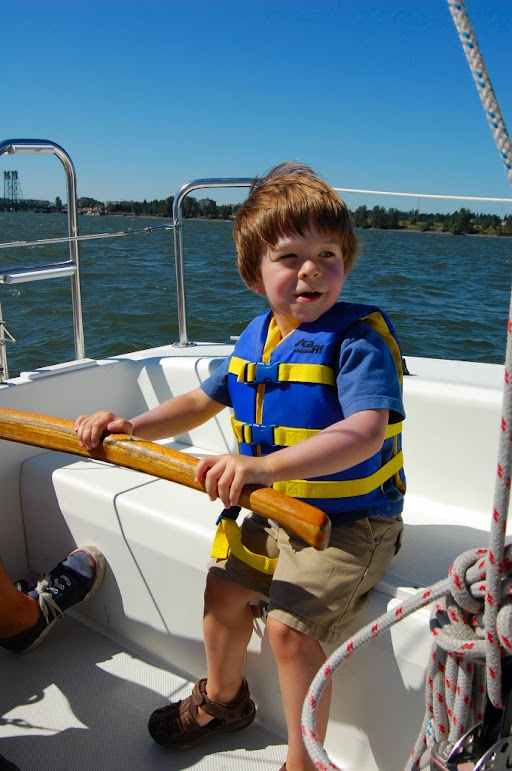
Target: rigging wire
column 90, row 237
column 422, row 195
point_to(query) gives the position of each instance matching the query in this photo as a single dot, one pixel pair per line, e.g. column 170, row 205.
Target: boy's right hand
column 90, row 429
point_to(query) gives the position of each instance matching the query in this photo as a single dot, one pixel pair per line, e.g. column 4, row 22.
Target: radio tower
column 12, row 189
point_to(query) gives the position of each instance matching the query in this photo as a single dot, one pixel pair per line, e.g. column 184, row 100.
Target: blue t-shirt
column 367, row 380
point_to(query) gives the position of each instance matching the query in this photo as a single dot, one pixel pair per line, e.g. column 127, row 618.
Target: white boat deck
column 69, row 708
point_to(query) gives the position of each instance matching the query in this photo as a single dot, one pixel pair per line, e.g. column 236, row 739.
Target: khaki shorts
column 316, row 592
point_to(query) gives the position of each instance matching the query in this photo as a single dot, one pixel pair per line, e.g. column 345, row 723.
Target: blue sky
column 146, row 96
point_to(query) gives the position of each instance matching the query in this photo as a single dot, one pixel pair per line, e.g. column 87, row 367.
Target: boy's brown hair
column 290, row 198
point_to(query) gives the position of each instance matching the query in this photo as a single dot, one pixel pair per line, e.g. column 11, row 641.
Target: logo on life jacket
column 308, row 346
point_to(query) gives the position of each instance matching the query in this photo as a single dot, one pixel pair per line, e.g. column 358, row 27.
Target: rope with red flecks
column 471, row 623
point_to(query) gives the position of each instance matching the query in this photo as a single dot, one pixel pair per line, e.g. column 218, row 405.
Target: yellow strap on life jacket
column 285, row 436
column 393, row 429
column 377, row 323
column 229, row 538
column 302, row 488
column 297, row 373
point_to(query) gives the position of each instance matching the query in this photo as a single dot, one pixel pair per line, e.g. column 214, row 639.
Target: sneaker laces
column 45, row 590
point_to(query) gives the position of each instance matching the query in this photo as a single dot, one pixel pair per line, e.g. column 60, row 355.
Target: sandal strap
column 227, row 713
column 176, row 724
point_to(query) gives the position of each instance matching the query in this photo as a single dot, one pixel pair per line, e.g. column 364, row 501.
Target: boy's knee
column 286, row 641
column 220, row 592
column 214, row 589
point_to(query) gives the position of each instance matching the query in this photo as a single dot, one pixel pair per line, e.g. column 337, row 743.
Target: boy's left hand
column 224, row 476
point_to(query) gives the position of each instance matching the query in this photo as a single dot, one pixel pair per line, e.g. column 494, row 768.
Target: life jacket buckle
column 262, row 434
column 261, row 373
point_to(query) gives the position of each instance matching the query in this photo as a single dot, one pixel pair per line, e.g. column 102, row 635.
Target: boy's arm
column 172, row 417
column 336, row 448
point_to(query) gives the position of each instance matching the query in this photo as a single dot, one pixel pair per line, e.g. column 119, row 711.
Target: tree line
column 462, row 221
column 191, row 207
column 459, row 222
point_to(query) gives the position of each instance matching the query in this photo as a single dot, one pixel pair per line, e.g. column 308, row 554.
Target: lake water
column 448, row 296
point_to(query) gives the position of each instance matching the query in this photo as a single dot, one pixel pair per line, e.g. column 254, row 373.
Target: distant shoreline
column 436, row 229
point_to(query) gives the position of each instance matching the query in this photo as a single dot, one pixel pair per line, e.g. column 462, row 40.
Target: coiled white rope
column 472, row 624
column 483, row 83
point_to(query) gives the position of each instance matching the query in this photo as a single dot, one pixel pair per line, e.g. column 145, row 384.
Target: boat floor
column 81, row 701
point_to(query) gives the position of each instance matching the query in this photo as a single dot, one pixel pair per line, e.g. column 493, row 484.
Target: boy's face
column 302, row 277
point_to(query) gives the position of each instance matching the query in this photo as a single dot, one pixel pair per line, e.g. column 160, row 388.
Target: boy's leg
column 227, row 624
column 298, row 658
column 228, row 618
column 221, row 699
column 313, row 597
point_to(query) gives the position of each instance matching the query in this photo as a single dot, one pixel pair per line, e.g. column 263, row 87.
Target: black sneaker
column 62, row 589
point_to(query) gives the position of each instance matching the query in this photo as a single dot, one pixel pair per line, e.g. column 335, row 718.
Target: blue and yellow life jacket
column 297, row 388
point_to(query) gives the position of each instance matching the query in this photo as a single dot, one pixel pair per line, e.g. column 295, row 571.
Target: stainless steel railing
column 56, row 270
column 196, row 184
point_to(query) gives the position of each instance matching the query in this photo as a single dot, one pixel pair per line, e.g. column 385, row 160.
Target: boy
column 316, row 392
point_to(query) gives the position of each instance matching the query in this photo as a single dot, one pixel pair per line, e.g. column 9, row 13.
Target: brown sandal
column 175, row 724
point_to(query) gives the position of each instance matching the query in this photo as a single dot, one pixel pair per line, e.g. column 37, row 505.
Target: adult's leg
column 18, row 611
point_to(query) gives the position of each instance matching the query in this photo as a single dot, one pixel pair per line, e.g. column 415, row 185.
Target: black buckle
column 231, row 513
